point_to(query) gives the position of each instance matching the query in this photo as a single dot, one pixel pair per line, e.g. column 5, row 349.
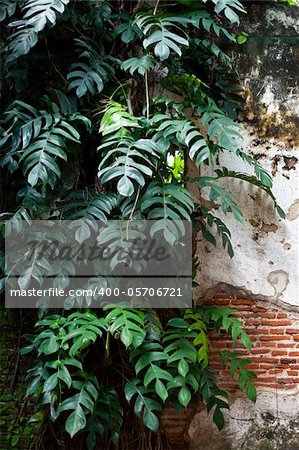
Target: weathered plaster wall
column 269, row 424
column 266, row 247
column 261, row 281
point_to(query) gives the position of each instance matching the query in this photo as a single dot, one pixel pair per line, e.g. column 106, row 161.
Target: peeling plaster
column 278, row 279
column 265, row 227
column 269, row 101
column 243, row 292
column 293, row 211
column 264, row 241
column 286, row 20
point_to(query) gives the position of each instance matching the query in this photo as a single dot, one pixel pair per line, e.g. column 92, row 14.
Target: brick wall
column 274, row 332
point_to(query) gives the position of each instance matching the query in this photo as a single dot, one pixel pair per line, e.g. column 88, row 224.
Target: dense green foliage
column 104, row 104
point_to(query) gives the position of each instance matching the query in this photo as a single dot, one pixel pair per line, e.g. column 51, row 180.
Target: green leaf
column 183, row 368
column 127, row 159
column 164, row 204
column 150, row 420
column 228, row 200
column 89, row 76
column 127, row 29
column 161, row 390
column 228, row 7
column 64, row 375
column 81, row 402
column 125, row 186
column 7, row 9
column 84, row 79
column 183, row 131
column 49, row 345
column 184, row 396
column 76, row 421
column 37, row 14
column 143, row 404
column 163, row 33
column 246, row 340
column 221, row 127
column 142, row 65
column 39, row 158
column 15, row 439
column 108, row 416
column 251, row 391
column 242, row 38
column 126, row 337
column 222, row 230
column 218, row 418
column 89, row 205
column 129, row 323
column 51, row 382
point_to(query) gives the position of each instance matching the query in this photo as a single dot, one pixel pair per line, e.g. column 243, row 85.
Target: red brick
column 261, row 378
column 293, row 353
column 261, row 360
column 276, row 371
column 285, row 386
column 270, row 344
column 266, row 366
column 288, row 345
column 221, row 302
column 292, row 330
column 219, row 344
column 285, row 380
column 281, row 316
column 296, row 337
column 216, row 337
column 293, row 372
column 276, row 331
column 258, row 309
column 257, row 331
column 261, row 351
column 223, row 295
column 268, row 315
column 240, row 301
column 251, row 322
column 279, row 352
column 274, row 338
column 259, row 372
column 253, row 366
column 277, row 323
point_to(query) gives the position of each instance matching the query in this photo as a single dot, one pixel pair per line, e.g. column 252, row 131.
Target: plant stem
column 132, row 212
column 156, row 7
column 147, row 95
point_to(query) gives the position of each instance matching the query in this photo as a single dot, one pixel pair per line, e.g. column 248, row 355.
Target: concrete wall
column 261, row 281
column 266, row 247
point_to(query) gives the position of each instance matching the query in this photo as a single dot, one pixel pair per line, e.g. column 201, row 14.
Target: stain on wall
column 262, row 280
column 266, row 246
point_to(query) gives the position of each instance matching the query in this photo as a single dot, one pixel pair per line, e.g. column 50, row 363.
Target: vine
column 97, row 125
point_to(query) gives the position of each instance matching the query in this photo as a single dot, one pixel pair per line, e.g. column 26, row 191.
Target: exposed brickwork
column 275, row 336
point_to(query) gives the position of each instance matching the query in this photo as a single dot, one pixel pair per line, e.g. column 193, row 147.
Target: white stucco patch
column 274, row 16
column 263, row 264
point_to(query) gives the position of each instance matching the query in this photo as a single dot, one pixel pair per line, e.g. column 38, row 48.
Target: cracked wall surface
column 261, row 281
column 265, row 264
column 270, row 424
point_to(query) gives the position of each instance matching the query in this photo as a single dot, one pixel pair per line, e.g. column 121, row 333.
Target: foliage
column 171, row 365
column 82, row 137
